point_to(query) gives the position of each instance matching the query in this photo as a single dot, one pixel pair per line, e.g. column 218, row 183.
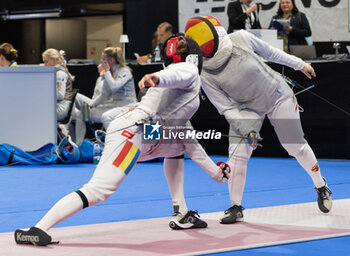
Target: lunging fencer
column 173, row 98
column 245, row 89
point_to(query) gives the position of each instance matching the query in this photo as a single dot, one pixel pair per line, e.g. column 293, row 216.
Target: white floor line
column 306, row 214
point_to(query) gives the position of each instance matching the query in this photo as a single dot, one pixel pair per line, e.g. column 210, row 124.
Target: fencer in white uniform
column 173, row 99
column 245, row 89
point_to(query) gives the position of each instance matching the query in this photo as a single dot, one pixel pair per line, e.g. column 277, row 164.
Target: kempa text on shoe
column 27, row 238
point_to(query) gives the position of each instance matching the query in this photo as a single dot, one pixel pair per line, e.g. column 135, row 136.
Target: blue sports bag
column 11, row 155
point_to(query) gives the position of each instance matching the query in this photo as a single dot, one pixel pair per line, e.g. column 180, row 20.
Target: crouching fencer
column 173, row 99
column 245, row 89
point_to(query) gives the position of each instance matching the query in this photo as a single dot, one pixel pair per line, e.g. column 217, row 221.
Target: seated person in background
column 114, row 88
column 8, row 55
column 298, row 28
column 164, row 31
column 243, row 15
column 64, row 81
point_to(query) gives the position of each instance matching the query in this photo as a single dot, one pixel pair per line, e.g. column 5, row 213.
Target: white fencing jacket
column 237, row 77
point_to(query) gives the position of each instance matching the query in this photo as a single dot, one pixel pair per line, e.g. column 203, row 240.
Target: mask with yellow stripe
column 206, row 31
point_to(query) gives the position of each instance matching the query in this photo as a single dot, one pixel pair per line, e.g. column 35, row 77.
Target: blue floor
column 28, row 192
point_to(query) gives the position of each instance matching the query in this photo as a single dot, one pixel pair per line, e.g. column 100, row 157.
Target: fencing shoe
column 232, row 215
column 189, row 220
column 324, row 198
column 34, row 236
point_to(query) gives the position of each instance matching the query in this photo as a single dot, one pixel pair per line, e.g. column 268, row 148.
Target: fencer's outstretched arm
column 149, row 80
column 273, row 54
column 308, row 70
column 197, row 154
column 179, row 75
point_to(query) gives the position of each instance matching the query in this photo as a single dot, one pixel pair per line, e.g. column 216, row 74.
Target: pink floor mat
column 261, row 227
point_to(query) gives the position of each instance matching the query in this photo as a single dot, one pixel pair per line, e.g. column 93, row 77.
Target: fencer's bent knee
column 240, row 152
column 300, row 150
column 83, row 198
column 294, row 149
column 105, row 181
column 96, row 194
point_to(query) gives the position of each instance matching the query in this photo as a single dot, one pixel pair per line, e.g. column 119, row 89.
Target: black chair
column 67, row 118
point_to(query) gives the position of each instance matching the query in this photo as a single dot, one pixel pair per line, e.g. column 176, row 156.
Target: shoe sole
column 19, row 233
column 323, row 208
column 32, row 236
column 174, row 224
column 232, row 222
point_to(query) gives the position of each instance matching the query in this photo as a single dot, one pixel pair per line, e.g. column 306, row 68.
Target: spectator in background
column 164, row 31
column 114, row 88
column 298, row 28
column 64, row 81
column 243, row 15
column 145, row 58
column 8, row 55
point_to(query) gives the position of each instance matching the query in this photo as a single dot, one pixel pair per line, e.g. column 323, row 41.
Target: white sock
column 63, row 209
column 174, row 173
column 236, row 183
column 308, row 161
column 238, row 159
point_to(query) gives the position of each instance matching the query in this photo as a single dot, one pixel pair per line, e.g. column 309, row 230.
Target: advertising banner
column 329, row 19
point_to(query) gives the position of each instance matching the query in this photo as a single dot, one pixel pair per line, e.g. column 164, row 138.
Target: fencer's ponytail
column 63, row 63
column 60, row 57
column 7, row 50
